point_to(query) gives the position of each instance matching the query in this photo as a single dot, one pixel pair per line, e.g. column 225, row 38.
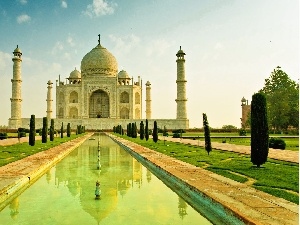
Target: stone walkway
column 284, row 155
column 250, row 205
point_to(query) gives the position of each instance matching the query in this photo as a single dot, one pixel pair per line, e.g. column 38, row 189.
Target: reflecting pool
column 130, row 193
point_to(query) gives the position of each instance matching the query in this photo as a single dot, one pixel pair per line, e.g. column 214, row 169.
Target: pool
column 130, row 193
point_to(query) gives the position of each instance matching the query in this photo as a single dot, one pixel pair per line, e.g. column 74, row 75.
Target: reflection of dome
column 75, row 74
column 123, row 75
column 99, row 61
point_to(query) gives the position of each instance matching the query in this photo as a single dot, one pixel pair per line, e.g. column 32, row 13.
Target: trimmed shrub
column 142, row 131
column 277, row 143
column 68, row 130
column 3, row 135
column 146, row 131
column 242, row 132
column 62, row 130
column 155, row 132
column 178, row 131
column 259, row 130
column 32, row 131
column 45, row 130
column 208, row 147
column 176, row 135
column 52, row 130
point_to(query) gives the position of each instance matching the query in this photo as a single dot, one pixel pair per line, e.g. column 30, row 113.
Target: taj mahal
column 99, row 96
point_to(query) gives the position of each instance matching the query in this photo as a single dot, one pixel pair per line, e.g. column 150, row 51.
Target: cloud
column 23, row 2
column 100, row 8
column 23, row 18
column 57, row 48
column 218, row 46
column 124, row 44
column 70, row 41
column 158, row 47
column 64, row 4
column 5, row 62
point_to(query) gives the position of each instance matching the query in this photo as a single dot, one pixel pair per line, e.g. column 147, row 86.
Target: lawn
column 276, row 177
column 16, row 152
column 292, row 143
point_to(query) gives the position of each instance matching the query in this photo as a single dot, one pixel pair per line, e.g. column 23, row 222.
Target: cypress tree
column 32, row 131
column 259, row 130
column 135, row 130
column 62, row 130
column 68, row 130
column 208, row 147
column 45, row 130
column 146, row 131
column 129, row 130
column 155, row 132
column 52, row 130
column 142, row 131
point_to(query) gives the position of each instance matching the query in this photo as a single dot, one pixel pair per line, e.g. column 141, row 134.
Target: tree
column 259, row 130
column 282, row 95
column 155, row 132
column 134, row 130
column 208, row 147
column 45, row 130
column 52, row 130
column 146, row 131
column 129, row 130
column 32, row 131
column 142, row 130
column 68, row 130
column 62, row 130
column 229, row 127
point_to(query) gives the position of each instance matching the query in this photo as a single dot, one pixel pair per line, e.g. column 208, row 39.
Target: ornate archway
column 99, row 105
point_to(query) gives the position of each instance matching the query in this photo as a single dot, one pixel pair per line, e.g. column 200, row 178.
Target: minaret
column 15, row 119
column 181, row 86
column 49, row 100
column 148, row 100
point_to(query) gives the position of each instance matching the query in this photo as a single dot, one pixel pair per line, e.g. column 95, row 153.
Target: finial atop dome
column 98, row 39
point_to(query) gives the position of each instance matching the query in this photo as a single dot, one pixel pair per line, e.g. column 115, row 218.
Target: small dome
column 123, row 75
column 99, row 61
column 148, row 83
column 75, row 74
column 243, row 100
column 17, row 50
column 180, row 52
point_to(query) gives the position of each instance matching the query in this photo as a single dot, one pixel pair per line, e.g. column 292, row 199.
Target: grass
column 19, row 151
column 291, row 143
column 276, row 177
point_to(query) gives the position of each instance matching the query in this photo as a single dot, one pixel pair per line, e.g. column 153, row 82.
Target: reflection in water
column 182, row 208
column 66, row 193
column 14, row 208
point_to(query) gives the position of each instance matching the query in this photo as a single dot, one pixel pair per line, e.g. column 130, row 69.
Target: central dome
column 99, row 61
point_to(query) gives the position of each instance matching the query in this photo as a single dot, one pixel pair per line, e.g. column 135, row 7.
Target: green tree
column 52, row 130
column 282, row 96
column 62, row 130
column 142, row 131
column 129, row 130
column 259, row 130
column 146, row 131
column 45, row 130
column 208, row 147
column 155, row 132
column 32, row 131
column 134, row 130
column 69, row 130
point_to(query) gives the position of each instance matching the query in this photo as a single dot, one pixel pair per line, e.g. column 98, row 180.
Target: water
column 130, row 193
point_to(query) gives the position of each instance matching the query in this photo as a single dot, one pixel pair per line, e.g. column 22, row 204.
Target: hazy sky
column 231, row 47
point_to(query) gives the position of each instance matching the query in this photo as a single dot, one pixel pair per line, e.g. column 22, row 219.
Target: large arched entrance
column 99, row 105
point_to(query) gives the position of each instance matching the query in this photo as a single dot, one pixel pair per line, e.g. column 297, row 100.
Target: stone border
column 238, row 200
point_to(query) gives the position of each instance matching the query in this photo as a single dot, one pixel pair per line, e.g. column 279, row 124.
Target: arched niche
column 99, row 104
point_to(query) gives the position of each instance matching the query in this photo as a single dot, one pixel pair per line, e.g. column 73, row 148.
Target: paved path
column 284, row 155
column 247, row 203
column 12, row 141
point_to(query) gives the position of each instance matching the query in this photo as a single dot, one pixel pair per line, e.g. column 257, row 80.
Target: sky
column 231, row 48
